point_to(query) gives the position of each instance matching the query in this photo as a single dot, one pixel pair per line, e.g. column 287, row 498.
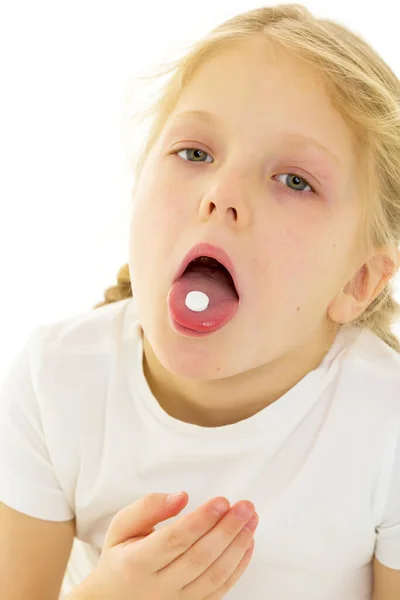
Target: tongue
column 222, row 306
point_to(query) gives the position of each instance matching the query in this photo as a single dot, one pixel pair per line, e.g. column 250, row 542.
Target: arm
column 34, row 549
column 386, row 582
column 33, row 555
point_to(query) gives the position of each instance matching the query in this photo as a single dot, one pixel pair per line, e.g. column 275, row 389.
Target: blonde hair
column 361, row 86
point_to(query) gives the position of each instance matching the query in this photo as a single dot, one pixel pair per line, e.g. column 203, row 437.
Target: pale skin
column 301, row 267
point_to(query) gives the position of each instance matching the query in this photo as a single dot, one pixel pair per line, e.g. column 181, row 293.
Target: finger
column 221, row 592
column 139, row 518
column 223, row 568
column 166, row 544
column 209, row 548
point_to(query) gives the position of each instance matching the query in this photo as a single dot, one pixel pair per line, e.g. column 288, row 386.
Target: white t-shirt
column 82, row 435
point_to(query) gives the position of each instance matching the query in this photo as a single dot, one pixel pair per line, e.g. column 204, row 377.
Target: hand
column 200, row 556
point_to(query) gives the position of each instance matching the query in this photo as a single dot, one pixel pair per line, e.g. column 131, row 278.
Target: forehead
column 253, row 70
column 248, row 90
column 248, row 81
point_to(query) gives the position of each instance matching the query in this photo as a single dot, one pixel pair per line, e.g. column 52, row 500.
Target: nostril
column 234, row 213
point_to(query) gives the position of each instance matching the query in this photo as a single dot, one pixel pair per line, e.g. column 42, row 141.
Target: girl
column 246, row 351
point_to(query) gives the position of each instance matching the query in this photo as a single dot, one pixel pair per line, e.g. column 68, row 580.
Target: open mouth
column 213, row 269
column 207, row 255
column 206, row 273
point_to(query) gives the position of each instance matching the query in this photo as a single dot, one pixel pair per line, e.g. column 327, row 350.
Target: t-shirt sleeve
column 28, row 482
column 387, row 548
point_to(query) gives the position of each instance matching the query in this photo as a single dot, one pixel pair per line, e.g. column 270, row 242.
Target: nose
column 227, row 201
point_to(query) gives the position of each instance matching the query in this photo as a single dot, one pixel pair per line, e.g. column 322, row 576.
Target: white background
column 64, row 185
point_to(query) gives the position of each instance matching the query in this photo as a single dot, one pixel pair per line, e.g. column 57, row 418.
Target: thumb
column 139, row 518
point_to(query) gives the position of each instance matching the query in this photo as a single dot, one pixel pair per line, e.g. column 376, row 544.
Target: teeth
column 206, row 260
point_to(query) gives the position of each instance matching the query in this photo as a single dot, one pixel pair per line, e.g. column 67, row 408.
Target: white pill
column 197, row 301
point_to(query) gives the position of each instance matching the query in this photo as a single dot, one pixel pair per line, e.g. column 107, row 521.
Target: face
column 274, row 183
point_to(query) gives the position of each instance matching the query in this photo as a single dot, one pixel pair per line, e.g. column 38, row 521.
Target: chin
column 191, row 358
column 212, row 356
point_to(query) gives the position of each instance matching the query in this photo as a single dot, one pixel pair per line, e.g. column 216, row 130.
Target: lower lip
column 188, row 332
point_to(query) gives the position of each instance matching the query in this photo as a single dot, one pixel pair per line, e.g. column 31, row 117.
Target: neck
column 217, row 402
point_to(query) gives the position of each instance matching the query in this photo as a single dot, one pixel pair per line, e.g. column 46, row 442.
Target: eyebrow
column 213, row 119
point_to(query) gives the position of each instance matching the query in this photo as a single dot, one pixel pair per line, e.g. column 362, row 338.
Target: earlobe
column 342, row 308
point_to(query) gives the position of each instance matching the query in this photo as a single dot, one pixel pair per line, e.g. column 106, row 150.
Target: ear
column 367, row 283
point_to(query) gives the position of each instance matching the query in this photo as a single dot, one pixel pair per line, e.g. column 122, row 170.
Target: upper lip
column 206, row 249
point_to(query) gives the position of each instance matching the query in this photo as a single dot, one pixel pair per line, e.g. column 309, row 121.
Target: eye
column 298, row 182
column 197, row 153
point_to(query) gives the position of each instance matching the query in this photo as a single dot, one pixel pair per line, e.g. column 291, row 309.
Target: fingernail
column 252, row 524
column 174, row 497
column 220, row 507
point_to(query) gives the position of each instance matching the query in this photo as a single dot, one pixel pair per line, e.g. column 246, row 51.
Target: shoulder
column 369, row 377
column 71, row 360
column 371, row 350
column 94, row 330
column 370, row 357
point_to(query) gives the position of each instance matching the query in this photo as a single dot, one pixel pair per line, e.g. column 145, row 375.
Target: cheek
column 293, row 261
column 159, row 216
column 162, row 206
column 289, row 248
column 174, row 200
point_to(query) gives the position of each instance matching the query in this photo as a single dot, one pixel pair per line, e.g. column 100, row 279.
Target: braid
column 118, row 292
